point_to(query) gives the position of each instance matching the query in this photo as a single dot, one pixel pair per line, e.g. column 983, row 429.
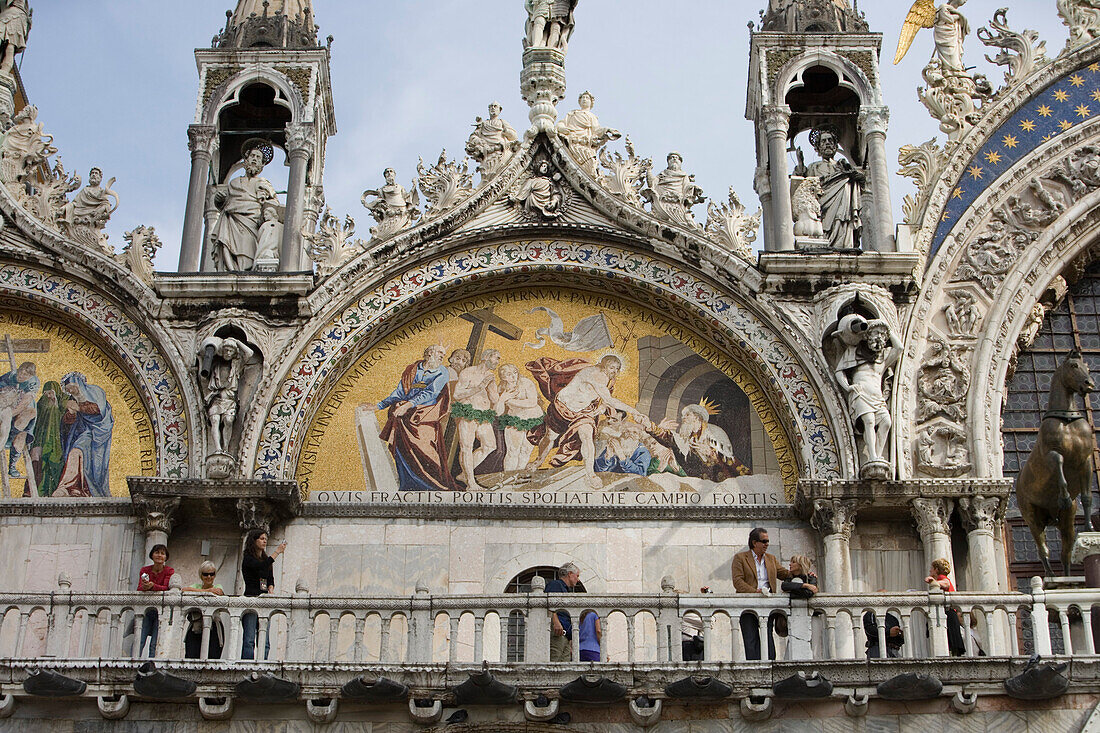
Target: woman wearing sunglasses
column 192, row 640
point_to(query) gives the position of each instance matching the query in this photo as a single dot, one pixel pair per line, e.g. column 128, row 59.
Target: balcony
column 424, row 651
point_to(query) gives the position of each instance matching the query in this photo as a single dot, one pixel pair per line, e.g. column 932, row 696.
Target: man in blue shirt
column 561, row 628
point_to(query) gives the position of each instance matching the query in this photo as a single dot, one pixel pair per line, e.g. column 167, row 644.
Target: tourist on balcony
column 591, row 633
column 894, row 637
column 153, row 578
column 192, row 641
column 755, row 571
column 803, row 579
column 940, row 575
column 256, row 567
column 561, row 627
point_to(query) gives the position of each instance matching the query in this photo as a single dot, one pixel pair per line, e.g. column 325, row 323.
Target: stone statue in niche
column 84, row 218
column 394, row 208
column 672, row 192
column 247, row 204
column 841, row 188
column 870, row 350
column 221, row 363
column 492, row 142
column 581, row 130
column 549, row 23
column 15, row 26
column 540, row 195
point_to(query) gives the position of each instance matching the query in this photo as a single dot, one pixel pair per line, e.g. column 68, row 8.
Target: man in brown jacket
column 755, row 570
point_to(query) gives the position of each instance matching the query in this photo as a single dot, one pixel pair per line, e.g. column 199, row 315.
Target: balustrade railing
column 426, row 629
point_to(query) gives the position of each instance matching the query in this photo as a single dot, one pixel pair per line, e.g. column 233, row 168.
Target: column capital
column 157, row 513
column 981, row 512
column 256, row 514
column 199, row 138
column 299, row 140
column 932, row 515
column 874, row 120
column 777, row 120
column 835, row 517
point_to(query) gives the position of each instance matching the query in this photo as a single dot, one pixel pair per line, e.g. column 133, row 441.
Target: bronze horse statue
column 1059, row 468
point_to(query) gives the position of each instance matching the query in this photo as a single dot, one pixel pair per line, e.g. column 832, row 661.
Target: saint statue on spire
column 549, row 23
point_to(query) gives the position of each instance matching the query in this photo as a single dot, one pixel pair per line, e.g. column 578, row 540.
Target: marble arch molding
column 105, row 323
column 343, row 336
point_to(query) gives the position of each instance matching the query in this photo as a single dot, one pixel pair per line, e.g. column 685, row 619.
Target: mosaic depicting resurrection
column 71, row 422
column 548, row 390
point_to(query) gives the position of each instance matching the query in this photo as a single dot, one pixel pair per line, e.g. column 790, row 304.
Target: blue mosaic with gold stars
column 1068, row 102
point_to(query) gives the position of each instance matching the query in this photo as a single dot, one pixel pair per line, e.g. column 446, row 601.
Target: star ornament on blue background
column 1061, row 106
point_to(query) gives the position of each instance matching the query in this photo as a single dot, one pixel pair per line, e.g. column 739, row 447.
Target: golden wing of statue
column 921, row 15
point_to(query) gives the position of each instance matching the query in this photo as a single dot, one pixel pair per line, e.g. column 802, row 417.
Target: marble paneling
column 359, row 533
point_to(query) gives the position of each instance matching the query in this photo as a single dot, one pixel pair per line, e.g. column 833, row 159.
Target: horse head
column 1074, row 374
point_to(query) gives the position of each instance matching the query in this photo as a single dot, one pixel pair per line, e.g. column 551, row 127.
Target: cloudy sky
column 115, row 83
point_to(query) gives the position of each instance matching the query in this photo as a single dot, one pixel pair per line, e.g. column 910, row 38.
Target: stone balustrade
column 513, row 628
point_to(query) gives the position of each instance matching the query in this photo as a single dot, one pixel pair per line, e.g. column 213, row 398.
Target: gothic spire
column 812, row 16
column 269, row 24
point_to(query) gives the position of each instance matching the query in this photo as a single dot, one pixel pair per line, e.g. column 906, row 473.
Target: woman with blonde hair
column 803, row 580
column 192, row 640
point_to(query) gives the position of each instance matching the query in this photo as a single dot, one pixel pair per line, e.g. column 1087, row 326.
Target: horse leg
column 1056, row 465
column 1067, row 529
column 1084, row 486
column 1038, row 533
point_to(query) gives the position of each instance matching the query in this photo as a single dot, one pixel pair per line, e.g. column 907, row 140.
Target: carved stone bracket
column 932, row 515
column 982, row 512
column 835, row 516
column 156, row 514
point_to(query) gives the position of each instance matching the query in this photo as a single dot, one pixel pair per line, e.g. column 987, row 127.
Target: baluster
column 139, row 616
column 82, row 642
column 830, row 635
column 505, row 620
column 906, row 629
column 359, row 642
column 968, row 638
column 737, row 641
column 1067, row 640
column 1086, row 619
column 334, row 619
column 385, row 643
column 452, row 620
column 206, row 617
column 575, row 642
column 708, row 638
column 262, row 639
column 479, row 641
column 236, row 635
column 1013, row 635
column 880, row 633
column 630, row 652
column 110, row 643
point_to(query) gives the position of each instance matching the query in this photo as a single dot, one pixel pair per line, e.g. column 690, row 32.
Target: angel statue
column 395, row 206
column 949, row 28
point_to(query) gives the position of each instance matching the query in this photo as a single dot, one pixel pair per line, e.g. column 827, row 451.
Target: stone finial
column 812, row 16
column 538, row 584
column 668, row 585
column 64, row 581
column 175, row 582
column 300, row 586
column 421, row 587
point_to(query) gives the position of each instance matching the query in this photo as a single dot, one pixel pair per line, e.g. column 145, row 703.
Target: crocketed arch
column 61, row 299
column 732, row 328
column 227, row 92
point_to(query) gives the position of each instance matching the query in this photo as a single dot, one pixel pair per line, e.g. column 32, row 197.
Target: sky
column 115, row 83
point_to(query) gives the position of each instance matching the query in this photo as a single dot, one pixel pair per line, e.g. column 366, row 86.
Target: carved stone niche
column 228, row 367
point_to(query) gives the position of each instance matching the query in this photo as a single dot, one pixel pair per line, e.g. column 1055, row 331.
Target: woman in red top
column 153, row 578
column 941, row 569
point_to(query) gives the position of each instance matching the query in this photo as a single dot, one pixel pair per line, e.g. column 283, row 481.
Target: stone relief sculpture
column 332, row 245
column 869, row 351
column 626, row 176
column 492, row 142
column 1083, row 19
column 394, row 208
column 15, row 26
column 221, row 362
column 245, row 204
column 549, row 23
column 446, row 184
column 1021, row 52
column 942, row 451
column 962, row 315
column 137, row 255
column 584, row 135
column 841, row 189
column 1059, row 468
column 672, row 193
column 731, row 226
column 84, row 218
column 541, row 195
column 943, row 382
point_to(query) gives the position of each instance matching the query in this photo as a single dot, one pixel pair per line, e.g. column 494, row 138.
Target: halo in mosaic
column 730, row 324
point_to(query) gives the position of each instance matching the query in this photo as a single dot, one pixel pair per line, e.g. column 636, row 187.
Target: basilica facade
column 557, row 365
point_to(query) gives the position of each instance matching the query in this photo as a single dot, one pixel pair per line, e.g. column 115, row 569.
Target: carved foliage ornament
column 981, row 512
column 932, row 515
column 141, row 248
column 944, row 382
column 156, row 513
column 1021, row 52
column 835, row 516
column 732, row 227
column 332, row 245
column 923, row 164
column 625, row 177
column 445, row 185
column 1083, row 19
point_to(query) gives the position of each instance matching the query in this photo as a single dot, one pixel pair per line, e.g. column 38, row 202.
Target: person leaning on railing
column 755, row 571
column 802, row 582
column 192, row 640
column 256, row 567
column 152, row 579
column 561, row 628
column 939, row 575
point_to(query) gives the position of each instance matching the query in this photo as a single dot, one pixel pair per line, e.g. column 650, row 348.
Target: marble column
column 777, row 120
column 873, row 122
column 156, row 516
column 299, row 146
column 933, row 520
column 979, row 515
column 763, row 185
column 835, row 519
column 199, row 139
